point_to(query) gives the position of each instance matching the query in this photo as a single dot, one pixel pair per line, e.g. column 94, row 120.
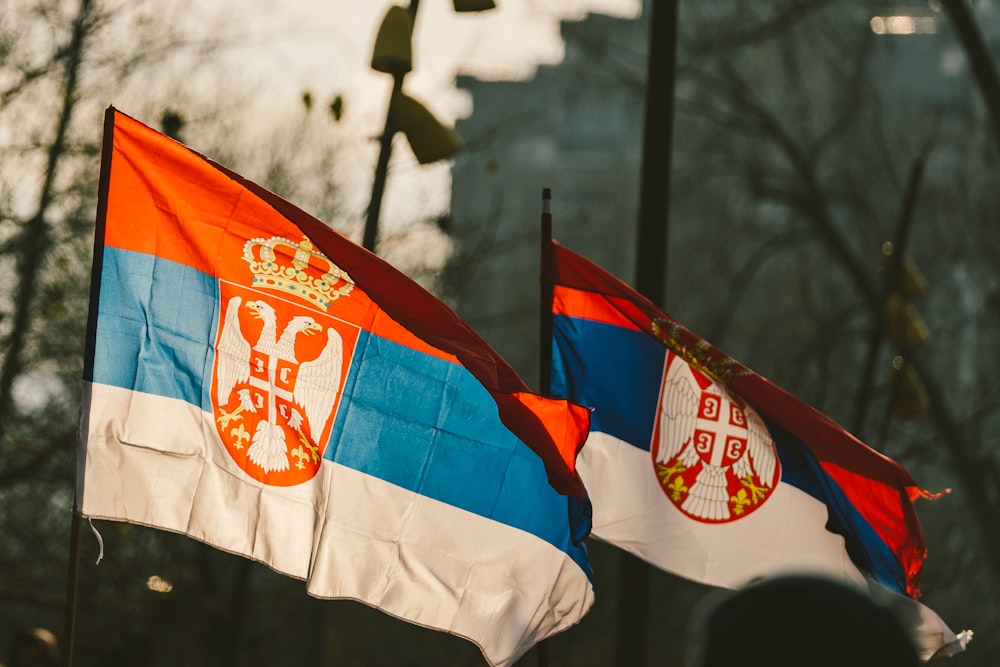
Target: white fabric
column 347, row 534
column 785, row 536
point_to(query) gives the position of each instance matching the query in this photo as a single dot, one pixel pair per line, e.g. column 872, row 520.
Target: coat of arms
column 712, row 453
column 281, row 360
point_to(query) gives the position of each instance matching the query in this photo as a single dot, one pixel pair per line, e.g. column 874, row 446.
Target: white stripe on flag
column 786, row 535
column 348, row 534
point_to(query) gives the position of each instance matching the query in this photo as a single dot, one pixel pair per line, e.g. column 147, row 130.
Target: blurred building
column 782, row 109
column 576, row 128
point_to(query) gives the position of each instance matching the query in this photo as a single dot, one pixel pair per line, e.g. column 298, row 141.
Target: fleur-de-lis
column 677, row 488
column 301, row 455
column 740, row 502
column 240, row 434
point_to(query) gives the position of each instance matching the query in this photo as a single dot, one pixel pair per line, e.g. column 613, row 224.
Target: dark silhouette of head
column 804, row 620
column 35, row 647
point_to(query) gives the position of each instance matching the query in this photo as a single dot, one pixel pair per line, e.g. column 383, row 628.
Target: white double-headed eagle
column 315, row 389
column 681, row 419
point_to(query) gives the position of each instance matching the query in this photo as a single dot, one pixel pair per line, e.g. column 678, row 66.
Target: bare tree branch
column 810, row 198
column 33, row 243
column 983, row 68
column 782, row 22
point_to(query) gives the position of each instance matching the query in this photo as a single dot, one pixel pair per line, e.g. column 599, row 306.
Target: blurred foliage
column 803, row 140
column 154, row 594
column 795, row 134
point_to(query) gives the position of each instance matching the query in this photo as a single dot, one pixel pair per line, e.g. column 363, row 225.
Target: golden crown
column 296, row 269
column 698, row 352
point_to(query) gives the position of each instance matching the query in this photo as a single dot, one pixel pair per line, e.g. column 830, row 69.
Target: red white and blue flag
column 258, row 382
column 707, row 470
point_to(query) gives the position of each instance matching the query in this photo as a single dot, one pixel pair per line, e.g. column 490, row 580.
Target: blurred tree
column 177, row 600
column 819, row 126
column 799, row 127
column 44, row 223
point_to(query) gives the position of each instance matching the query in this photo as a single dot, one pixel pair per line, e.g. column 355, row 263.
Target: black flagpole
column 651, row 272
column 72, row 579
column 545, row 335
column 73, row 567
column 545, row 310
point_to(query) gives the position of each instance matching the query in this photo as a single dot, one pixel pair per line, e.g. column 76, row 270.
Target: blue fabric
column 419, row 422
column 865, row 547
column 614, row 370
column 156, row 326
column 618, row 372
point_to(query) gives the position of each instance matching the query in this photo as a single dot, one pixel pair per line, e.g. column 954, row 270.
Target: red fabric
column 554, row 429
column 879, row 488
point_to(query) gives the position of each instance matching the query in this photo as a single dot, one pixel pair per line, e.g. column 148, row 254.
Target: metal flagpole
column 545, row 307
column 72, row 579
column 651, row 272
column 73, row 568
column 545, row 335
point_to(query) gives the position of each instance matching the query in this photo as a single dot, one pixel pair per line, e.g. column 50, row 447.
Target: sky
column 325, row 47
column 328, row 44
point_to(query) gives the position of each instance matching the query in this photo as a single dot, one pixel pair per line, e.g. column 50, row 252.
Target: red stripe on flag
column 584, row 305
column 204, row 212
column 879, row 488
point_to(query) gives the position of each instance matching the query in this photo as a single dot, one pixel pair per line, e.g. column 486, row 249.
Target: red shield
column 276, row 385
column 721, row 436
column 712, row 454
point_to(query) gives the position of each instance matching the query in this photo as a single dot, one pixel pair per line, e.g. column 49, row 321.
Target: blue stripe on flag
column 599, row 364
column 429, row 426
column 419, row 422
column 800, row 469
column 620, row 370
column 155, row 318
